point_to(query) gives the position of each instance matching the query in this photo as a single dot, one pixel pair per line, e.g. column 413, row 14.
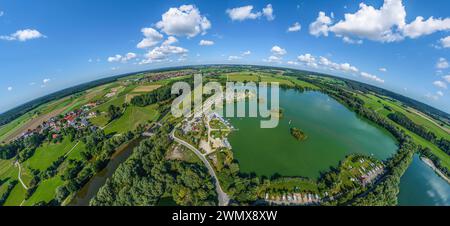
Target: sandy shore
column 431, row 164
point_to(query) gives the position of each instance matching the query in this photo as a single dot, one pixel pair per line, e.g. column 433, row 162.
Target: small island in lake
column 298, row 134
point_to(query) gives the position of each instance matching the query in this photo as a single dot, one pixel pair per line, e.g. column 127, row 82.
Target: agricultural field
column 132, row 117
column 378, row 104
column 267, row 77
column 242, row 77
column 145, row 89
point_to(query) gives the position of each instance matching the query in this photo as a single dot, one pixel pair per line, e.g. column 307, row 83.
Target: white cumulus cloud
column 246, row 53
column 23, row 35
column 164, row 51
column 10, row 88
column 385, row 24
column 432, row 97
column 320, row 26
column 247, row 13
column 447, row 78
column 206, row 43
column 440, row 84
column 420, row 26
column 151, row 38
column 243, row 13
column 273, row 59
column 295, row 27
column 278, row 51
column 382, row 69
column 442, row 63
column 184, row 21
column 268, row 12
column 120, row 58
column 445, row 42
column 371, row 77
column 373, row 24
column 231, row 58
column 311, row 61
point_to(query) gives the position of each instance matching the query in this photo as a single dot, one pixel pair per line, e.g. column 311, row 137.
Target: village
column 77, row 119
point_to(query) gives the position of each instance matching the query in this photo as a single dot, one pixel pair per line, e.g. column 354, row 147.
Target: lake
column 333, row 132
column 421, row 186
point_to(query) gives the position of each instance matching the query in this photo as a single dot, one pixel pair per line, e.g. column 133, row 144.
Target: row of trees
column 155, row 96
column 401, row 119
column 114, row 112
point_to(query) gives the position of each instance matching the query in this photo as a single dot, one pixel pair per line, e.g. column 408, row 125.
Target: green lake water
column 421, row 186
column 333, row 132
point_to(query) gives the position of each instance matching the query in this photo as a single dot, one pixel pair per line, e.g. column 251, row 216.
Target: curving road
column 222, row 196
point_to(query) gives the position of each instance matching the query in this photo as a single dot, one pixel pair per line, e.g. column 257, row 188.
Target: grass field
column 303, row 84
column 242, row 77
column 145, row 89
column 47, row 154
column 45, row 192
column 279, row 79
column 16, row 196
column 7, row 171
column 132, row 117
column 289, row 184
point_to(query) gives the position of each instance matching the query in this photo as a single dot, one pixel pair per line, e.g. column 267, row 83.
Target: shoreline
column 430, row 164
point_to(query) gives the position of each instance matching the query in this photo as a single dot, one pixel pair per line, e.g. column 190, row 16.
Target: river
column 89, row 190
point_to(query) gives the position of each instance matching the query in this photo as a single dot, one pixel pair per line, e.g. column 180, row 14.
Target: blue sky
column 48, row 45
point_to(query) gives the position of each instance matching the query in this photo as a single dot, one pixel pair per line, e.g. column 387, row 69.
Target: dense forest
column 146, row 177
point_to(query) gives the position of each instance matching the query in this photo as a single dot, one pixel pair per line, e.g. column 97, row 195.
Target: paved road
column 222, row 196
